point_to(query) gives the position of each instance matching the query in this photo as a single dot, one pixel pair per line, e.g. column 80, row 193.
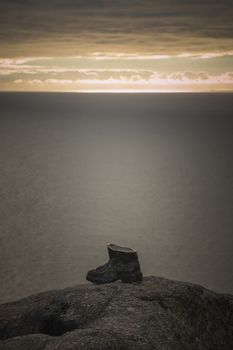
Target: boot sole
column 126, row 278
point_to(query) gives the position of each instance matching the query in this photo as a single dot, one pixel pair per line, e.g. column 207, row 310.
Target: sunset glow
column 145, row 46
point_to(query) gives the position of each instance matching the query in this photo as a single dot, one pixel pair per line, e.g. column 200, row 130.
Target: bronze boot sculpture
column 123, row 265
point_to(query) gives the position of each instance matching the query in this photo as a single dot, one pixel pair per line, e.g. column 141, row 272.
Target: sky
column 116, row 45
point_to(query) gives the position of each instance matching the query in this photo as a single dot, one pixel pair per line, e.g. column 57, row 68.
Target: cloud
column 155, row 78
column 18, row 81
column 104, row 62
column 128, row 71
column 119, row 70
column 79, row 27
column 17, row 66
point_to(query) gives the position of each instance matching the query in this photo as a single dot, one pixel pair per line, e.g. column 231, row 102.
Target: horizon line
column 121, row 91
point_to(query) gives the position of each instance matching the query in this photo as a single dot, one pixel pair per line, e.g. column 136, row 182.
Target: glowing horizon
column 120, row 73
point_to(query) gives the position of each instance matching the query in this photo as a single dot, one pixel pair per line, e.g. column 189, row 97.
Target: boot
column 123, row 265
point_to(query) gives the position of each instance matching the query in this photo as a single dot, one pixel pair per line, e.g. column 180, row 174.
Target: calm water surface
column 154, row 172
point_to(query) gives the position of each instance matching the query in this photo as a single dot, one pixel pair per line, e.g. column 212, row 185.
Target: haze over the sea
column 151, row 171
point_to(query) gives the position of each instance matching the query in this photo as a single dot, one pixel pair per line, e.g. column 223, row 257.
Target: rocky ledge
column 156, row 314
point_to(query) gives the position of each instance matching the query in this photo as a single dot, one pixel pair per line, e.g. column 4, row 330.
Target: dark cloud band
column 104, row 25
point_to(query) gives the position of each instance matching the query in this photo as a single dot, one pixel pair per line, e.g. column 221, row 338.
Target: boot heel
column 135, row 277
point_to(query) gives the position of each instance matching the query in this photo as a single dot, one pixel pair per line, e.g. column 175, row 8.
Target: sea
column 149, row 171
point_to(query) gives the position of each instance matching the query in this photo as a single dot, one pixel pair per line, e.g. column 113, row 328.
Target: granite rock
column 156, row 314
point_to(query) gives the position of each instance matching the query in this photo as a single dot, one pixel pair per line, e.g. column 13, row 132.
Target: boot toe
column 92, row 274
column 95, row 276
